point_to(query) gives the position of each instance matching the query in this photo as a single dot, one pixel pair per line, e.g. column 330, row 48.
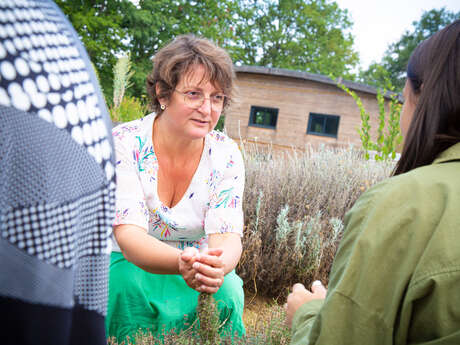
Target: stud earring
column 162, row 107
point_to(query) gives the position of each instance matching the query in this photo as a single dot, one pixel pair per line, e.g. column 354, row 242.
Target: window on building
column 263, row 117
column 321, row 124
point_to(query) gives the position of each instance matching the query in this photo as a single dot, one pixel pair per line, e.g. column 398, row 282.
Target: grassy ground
column 259, row 312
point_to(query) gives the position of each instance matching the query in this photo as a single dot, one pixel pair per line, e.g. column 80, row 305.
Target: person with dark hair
column 179, row 217
column 396, row 276
column 57, row 182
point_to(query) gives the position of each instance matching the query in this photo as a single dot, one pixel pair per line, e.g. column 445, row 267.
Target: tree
column 306, row 35
column 155, row 22
column 376, row 75
column 394, row 63
column 301, row 35
column 149, row 26
column 97, row 22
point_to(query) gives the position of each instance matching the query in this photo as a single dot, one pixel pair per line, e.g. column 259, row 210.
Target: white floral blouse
column 211, row 204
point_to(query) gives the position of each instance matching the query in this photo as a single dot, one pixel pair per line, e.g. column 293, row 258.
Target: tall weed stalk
column 388, row 140
column 124, row 108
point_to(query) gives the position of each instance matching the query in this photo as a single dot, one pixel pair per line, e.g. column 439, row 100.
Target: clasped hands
column 203, row 272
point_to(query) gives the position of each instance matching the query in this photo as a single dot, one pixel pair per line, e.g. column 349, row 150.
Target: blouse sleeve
column 130, row 200
column 225, row 212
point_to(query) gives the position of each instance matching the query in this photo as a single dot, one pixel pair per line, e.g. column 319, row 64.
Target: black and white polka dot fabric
column 56, row 181
column 43, row 72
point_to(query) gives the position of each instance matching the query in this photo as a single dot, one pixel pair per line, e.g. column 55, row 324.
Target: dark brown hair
column 433, row 73
column 178, row 58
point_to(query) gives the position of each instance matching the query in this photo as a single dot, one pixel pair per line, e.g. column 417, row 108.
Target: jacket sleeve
column 339, row 320
column 370, row 273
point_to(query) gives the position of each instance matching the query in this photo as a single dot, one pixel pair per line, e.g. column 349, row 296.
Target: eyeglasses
column 195, row 99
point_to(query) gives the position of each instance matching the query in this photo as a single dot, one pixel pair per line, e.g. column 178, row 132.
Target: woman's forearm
column 230, row 243
column 146, row 251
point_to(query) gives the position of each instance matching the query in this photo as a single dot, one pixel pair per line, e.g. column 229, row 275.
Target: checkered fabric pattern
column 48, row 231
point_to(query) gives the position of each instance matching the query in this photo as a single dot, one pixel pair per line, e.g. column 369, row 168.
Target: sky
column 377, row 23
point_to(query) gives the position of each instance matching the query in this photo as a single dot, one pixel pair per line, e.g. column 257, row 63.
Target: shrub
column 129, row 109
column 294, row 205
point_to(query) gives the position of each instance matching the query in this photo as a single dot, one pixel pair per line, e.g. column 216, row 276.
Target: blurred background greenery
column 306, row 35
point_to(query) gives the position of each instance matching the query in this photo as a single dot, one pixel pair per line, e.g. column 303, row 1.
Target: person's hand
column 186, row 261
column 209, row 269
column 203, row 272
column 301, row 295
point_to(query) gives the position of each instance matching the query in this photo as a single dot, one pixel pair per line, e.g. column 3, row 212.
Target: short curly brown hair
column 177, row 58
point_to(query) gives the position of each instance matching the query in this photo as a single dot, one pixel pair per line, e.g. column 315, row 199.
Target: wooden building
column 293, row 109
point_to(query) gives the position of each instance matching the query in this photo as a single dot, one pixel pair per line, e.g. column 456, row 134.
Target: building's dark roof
column 307, row 76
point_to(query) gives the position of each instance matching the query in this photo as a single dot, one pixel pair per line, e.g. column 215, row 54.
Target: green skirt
column 156, row 303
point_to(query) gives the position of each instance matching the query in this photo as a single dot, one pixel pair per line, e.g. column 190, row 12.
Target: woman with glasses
column 179, row 218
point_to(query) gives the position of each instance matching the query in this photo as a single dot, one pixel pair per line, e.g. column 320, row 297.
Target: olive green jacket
column 396, row 275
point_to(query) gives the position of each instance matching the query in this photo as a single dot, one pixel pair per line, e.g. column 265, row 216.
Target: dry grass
column 259, row 312
column 294, row 207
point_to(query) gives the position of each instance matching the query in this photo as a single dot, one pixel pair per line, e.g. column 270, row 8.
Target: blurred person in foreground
column 179, row 217
column 57, row 183
column 396, row 275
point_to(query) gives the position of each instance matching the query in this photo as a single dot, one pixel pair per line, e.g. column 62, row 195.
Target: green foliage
column 124, row 108
column 220, row 124
column 387, row 141
column 397, row 55
column 130, row 109
column 153, row 23
column 376, row 75
column 307, row 35
column 394, row 137
column 364, row 130
column 301, row 35
column 98, row 24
